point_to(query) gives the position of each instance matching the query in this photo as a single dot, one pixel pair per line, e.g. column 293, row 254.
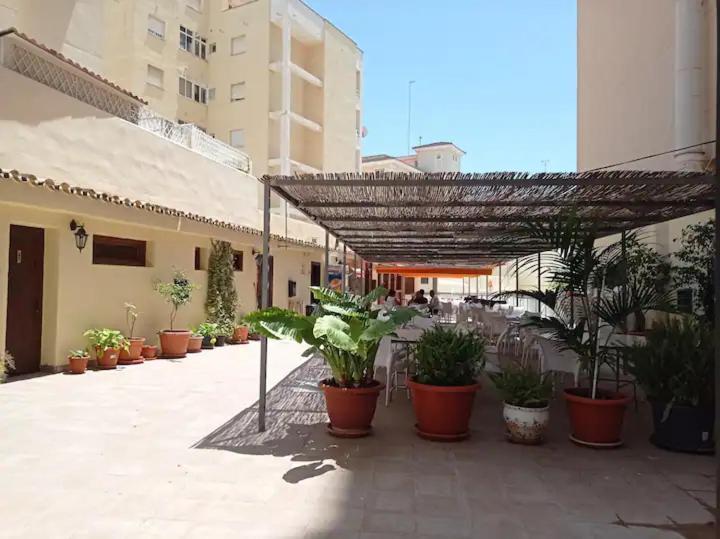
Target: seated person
column 419, row 298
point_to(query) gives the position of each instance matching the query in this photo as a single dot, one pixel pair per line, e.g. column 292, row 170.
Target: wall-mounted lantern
column 81, row 235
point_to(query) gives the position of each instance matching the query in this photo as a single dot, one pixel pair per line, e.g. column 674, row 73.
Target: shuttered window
column 118, row 251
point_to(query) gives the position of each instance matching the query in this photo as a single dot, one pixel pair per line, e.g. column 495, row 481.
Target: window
column 201, row 47
column 194, row 4
column 154, row 76
column 186, row 39
column 237, row 260
column 424, row 280
column 237, row 138
column 238, row 45
column 193, row 91
column 685, row 300
column 156, row 27
column 198, row 258
column 292, row 289
column 118, row 251
column 211, row 94
column 213, row 48
column 237, row 91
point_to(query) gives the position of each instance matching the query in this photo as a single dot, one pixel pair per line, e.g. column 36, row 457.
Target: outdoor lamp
column 81, row 235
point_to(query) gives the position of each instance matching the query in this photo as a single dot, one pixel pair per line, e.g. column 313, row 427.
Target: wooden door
column 25, row 295
column 258, row 286
column 315, row 277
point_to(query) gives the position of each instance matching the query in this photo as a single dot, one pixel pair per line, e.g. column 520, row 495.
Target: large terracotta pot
column 443, row 412
column 351, row 410
column 107, row 359
column 195, row 344
column 241, row 334
column 149, row 351
column 78, row 365
column 596, row 422
column 526, row 425
column 133, row 354
column 174, row 342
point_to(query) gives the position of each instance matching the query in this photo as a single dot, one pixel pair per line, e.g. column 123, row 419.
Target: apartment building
column 646, row 87
column 433, row 157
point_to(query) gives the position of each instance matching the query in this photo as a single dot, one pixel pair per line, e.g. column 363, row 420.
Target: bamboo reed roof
column 455, row 218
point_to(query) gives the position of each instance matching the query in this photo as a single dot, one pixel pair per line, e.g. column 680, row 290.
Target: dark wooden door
column 25, row 294
column 258, row 287
column 315, row 277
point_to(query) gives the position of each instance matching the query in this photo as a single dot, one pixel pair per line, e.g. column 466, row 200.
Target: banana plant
column 344, row 329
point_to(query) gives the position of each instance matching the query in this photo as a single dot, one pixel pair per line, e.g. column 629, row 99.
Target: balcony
column 298, row 71
column 298, row 119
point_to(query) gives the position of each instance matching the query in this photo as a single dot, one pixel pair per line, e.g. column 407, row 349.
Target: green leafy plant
column 587, row 307
column 226, row 327
column 523, row 386
column 177, row 292
column 102, row 339
column 80, row 352
column 446, row 357
column 344, row 329
column 7, row 363
column 221, row 299
column 208, row 330
column 695, row 267
column 676, row 363
column 131, row 316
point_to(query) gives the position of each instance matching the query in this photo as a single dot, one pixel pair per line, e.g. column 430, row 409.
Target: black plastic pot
column 688, row 429
column 220, row 340
column 207, row 343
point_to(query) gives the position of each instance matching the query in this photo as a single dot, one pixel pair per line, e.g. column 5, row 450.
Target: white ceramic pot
column 526, row 425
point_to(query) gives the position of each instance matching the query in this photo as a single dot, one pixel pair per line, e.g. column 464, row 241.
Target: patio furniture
column 554, row 359
column 393, row 355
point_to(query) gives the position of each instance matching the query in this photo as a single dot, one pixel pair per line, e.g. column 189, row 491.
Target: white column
column 690, row 46
column 286, row 95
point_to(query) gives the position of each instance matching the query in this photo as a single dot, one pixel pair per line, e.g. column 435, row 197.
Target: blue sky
column 497, row 77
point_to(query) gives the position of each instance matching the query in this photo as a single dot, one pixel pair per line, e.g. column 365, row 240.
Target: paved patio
column 167, row 449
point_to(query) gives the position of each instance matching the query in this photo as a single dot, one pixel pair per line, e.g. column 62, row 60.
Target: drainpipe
column 690, row 102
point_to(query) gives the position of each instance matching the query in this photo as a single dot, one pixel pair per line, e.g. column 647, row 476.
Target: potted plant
column 149, row 352
column 224, row 332
column 208, row 331
column 178, row 292
column 195, row 343
column 675, row 368
column 133, row 354
column 78, row 360
column 445, row 382
column 241, row 331
column 346, row 332
column 107, row 344
column 7, row 363
column 586, row 312
column 526, row 399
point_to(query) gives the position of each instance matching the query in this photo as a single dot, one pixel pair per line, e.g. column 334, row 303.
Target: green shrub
column 221, row 300
column 103, row 339
column 207, row 329
column 6, row 365
column 676, row 363
column 449, row 358
column 523, row 386
column 177, row 292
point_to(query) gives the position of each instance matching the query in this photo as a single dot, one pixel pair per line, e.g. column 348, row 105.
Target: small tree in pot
column 178, row 292
column 133, row 354
column 346, row 332
column 675, row 368
column 445, row 382
column 526, row 395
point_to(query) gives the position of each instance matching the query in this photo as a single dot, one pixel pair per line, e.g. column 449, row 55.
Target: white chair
column 555, row 359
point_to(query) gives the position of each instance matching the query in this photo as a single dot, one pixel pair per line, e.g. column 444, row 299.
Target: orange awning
column 434, row 271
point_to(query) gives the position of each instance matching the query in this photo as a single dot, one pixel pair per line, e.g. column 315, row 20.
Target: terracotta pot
column 351, row 410
column 596, row 422
column 195, row 344
column 174, row 342
column 241, row 334
column 78, row 365
column 149, row 351
column 526, row 425
column 443, row 412
column 134, row 352
column 107, row 359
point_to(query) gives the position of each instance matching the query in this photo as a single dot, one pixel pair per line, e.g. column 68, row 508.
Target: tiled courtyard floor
column 166, row 450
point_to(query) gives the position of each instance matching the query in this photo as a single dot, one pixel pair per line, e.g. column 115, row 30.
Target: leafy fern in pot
column 523, row 387
column 449, row 358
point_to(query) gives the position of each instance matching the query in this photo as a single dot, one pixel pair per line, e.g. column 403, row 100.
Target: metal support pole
column 264, row 303
column 623, row 258
column 487, row 286
column 463, row 287
column 500, row 279
column 717, row 266
column 539, row 283
column 344, row 265
column 517, row 281
column 327, row 259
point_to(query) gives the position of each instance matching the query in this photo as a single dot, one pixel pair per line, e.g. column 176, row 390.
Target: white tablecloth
column 384, row 357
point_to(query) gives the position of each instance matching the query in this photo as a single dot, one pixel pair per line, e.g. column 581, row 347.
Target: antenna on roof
column 419, row 141
column 545, row 163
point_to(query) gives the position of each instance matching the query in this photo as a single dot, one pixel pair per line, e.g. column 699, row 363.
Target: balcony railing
column 195, row 139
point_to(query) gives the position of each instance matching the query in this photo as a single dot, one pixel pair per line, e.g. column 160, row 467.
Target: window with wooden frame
column 237, row 260
column 113, row 251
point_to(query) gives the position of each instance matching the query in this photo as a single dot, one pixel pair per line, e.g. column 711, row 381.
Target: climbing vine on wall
column 221, row 301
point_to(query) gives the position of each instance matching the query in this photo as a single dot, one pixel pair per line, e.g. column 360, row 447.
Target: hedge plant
column 221, row 300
